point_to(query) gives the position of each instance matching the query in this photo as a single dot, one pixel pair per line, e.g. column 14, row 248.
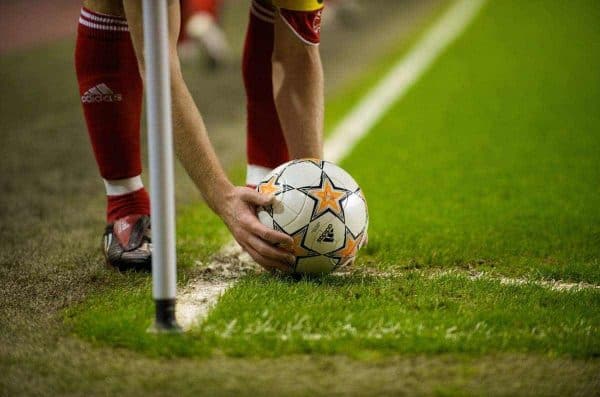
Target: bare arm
column 298, row 92
column 236, row 206
column 189, row 133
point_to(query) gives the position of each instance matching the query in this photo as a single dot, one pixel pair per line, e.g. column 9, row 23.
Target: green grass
column 410, row 314
column 200, row 233
column 362, row 317
column 352, row 92
column 490, row 161
column 493, row 157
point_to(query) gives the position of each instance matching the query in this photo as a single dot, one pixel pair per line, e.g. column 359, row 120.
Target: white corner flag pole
column 160, row 142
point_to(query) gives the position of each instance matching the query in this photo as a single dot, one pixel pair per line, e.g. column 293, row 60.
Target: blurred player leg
column 266, row 147
column 200, row 24
column 111, row 94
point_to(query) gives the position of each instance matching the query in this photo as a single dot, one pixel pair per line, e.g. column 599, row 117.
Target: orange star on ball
column 328, row 198
column 350, row 248
column 298, row 249
column 269, row 187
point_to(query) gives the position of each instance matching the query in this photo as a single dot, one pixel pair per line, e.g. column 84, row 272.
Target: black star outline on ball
column 349, row 249
column 318, row 162
column 350, row 246
column 299, row 249
column 327, row 197
column 272, row 186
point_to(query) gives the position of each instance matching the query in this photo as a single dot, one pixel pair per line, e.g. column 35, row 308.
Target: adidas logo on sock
column 100, row 93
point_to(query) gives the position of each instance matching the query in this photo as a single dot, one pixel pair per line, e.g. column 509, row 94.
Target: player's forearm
column 190, row 138
column 298, row 91
column 194, row 149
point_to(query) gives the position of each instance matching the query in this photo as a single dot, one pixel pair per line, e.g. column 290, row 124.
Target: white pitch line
column 399, row 80
column 195, row 303
column 199, row 297
column 554, row 285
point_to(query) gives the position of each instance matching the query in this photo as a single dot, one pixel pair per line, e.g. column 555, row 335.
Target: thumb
column 256, row 198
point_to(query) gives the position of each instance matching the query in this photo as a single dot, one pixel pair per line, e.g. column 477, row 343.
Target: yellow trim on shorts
column 299, row 5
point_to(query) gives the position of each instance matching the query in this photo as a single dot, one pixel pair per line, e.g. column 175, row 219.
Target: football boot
column 127, row 243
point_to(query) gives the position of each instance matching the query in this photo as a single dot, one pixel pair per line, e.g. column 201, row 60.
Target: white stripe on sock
column 98, row 26
column 104, row 19
column 119, row 187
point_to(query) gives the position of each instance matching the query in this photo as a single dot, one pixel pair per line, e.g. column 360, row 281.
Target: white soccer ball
column 322, row 208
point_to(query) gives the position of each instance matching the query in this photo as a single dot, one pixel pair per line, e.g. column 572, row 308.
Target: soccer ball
column 321, row 207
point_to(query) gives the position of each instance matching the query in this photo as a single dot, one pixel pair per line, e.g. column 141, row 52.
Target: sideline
column 195, row 301
column 400, row 79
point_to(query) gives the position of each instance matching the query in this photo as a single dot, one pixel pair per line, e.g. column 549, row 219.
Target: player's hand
column 262, row 243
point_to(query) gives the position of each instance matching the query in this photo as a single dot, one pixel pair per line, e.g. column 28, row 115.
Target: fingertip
column 286, row 242
column 268, row 198
column 263, row 198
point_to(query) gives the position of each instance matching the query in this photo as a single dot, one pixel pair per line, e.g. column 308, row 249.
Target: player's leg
column 266, row 146
column 284, row 85
column 298, row 75
column 111, row 94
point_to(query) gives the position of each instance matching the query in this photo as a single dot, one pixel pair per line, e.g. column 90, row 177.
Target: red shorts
column 302, row 16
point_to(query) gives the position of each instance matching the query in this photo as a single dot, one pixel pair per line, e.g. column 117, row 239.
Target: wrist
column 219, row 195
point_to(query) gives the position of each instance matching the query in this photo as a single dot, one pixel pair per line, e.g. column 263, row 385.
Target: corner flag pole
column 160, row 142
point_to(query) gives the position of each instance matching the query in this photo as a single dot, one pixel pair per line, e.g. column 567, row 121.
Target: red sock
column 118, row 207
column 111, row 94
column 266, row 147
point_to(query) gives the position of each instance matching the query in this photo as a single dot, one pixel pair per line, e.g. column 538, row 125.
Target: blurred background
column 489, row 165
column 43, row 110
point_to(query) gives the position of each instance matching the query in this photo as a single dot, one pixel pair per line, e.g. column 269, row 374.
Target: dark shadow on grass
column 332, row 280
